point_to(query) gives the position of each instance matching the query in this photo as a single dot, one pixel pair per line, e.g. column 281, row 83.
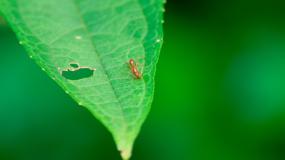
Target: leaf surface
column 86, row 45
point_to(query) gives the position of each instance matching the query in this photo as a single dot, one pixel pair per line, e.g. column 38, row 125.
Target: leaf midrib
column 100, row 60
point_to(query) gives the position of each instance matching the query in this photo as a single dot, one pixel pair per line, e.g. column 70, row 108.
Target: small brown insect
column 134, row 69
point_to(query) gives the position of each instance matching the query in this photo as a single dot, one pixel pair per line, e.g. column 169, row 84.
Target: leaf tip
column 126, row 153
column 124, row 142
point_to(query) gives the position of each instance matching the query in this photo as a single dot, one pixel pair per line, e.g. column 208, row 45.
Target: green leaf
column 86, row 45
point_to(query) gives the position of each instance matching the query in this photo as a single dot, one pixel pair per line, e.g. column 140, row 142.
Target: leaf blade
column 101, row 35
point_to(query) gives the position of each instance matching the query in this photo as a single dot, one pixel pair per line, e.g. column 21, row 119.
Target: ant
column 134, row 69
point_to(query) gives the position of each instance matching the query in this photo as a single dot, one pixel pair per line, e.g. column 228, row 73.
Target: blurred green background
column 220, row 92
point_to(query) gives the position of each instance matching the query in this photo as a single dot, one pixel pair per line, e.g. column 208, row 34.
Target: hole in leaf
column 74, row 65
column 75, row 72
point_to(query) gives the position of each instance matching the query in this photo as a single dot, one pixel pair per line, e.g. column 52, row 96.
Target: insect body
column 134, row 69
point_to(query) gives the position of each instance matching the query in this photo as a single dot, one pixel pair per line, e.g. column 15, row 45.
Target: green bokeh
column 220, row 93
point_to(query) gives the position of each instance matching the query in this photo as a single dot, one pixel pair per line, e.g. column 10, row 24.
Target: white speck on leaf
column 78, row 37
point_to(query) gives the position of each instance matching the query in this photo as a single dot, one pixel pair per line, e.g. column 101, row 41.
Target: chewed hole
column 78, row 74
column 75, row 72
column 74, row 65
